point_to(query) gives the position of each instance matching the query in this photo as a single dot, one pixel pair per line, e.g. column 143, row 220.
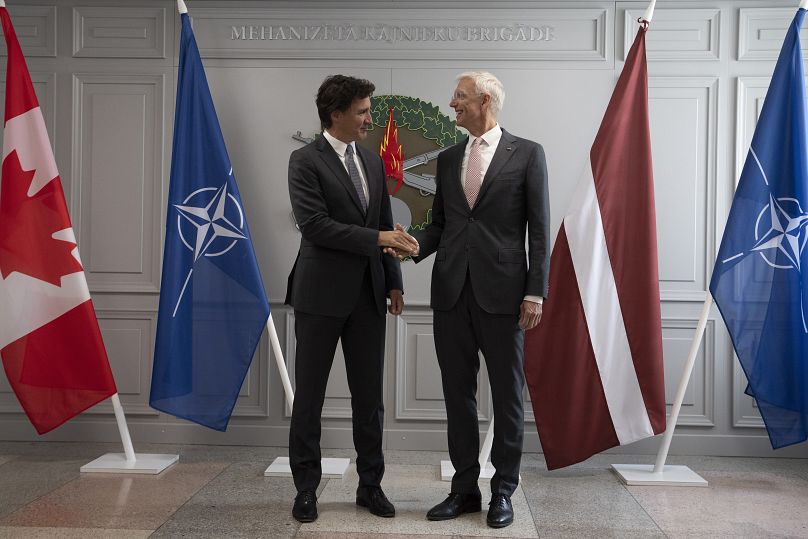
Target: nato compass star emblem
column 781, row 227
column 786, row 222
column 208, row 231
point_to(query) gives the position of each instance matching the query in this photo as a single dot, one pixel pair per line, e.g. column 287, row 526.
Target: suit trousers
column 460, row 333
column 362, row 334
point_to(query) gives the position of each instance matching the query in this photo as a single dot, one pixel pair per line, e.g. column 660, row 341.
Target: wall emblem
column 409, row 133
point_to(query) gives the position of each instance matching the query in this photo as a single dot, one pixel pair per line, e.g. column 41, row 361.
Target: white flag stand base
column 143, row 464
column 334, row 468
column 670, row 476
column 128, row 461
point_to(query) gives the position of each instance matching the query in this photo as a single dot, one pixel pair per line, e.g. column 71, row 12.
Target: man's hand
column 396, row 302
column 401, row 255
column 398, row 243
column 529, row 314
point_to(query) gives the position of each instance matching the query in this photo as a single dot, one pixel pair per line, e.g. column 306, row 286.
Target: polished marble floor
column 217, row 491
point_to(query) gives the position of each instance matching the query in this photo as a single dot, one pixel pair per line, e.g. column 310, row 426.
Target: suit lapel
column 329, row 155
column 505, row 150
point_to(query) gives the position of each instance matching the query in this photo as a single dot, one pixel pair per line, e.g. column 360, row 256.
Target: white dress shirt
column 488, row 146
column 340, row 148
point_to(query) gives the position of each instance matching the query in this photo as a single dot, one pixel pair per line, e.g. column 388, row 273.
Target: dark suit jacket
column 338, row 241
column 488, row 241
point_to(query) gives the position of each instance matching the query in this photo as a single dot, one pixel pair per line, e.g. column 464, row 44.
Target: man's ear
column 486, row 101
column 336, row 116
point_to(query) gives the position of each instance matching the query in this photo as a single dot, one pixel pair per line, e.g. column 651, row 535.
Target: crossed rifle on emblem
column 425, row 183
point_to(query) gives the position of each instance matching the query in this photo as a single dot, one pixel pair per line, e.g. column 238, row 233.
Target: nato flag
column 213, row 307
column 759, row 280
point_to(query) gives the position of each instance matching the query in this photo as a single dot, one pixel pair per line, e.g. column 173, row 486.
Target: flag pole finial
column 2, row 3
column 649, row 11
column 180, row 6
column 803, row 4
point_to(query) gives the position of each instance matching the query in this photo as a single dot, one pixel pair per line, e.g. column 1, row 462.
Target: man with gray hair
column 486, row 288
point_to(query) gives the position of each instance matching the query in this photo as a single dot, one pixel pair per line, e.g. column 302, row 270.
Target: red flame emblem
column 391, row 153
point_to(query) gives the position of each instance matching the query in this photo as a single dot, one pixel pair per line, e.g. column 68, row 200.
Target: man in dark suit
column 338, row 287
column 486, row 289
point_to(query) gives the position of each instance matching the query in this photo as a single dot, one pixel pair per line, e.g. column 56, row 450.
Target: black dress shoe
column 305, row 507
column 374, row 499
column 500, row 511
column 455, row 505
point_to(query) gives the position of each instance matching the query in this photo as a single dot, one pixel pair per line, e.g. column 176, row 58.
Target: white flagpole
column 649, row 11
column 279, row 361
column 662, row 456
column 485, row 452
column 673, row 475
column 129, row 461
column 331, row 467
column 659, row 474
column 123, row 429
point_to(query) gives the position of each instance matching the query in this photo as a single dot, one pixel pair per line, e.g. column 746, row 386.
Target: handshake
column 398, row 243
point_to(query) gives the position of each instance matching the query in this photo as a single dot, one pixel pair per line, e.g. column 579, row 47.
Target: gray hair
column 486, row 83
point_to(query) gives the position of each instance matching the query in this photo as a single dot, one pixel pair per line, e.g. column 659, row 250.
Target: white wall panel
column 677, row 34
column 35, row 27
column 761, row 31
column 418, row 377
column 119, row 32
column 117, row 171
column 683, row 114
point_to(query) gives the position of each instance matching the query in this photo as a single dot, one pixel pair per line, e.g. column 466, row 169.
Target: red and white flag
column 50, row 342
column 594, row 364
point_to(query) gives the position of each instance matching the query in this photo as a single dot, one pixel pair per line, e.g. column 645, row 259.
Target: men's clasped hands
column 403, row 244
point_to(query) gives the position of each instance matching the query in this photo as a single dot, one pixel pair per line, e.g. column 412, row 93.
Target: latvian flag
column 594, row 363
column 50, row 343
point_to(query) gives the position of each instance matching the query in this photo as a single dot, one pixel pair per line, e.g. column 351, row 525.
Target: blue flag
column 759, row 280
column 213, row 307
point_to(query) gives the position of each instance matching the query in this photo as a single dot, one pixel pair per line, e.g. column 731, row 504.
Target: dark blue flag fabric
column 759, row 280
column 213, row 307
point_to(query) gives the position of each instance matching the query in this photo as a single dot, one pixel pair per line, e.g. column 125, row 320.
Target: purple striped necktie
column 353, row 172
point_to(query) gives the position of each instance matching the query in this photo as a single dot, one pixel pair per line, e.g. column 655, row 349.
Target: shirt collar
column 337, row 144
column 490, row 137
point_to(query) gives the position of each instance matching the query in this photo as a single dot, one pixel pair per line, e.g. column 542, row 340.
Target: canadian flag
column 594, row 364
column 50, row 342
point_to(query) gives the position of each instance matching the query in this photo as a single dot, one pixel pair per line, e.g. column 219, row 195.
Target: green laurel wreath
column 416, row 115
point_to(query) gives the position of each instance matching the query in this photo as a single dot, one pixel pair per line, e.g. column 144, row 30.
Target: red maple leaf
column 27, row 225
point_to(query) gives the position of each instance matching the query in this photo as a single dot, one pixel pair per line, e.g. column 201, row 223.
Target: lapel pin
column 508, row 149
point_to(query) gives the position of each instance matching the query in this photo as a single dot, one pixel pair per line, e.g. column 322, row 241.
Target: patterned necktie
column 355, row 178
column 473, row 173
